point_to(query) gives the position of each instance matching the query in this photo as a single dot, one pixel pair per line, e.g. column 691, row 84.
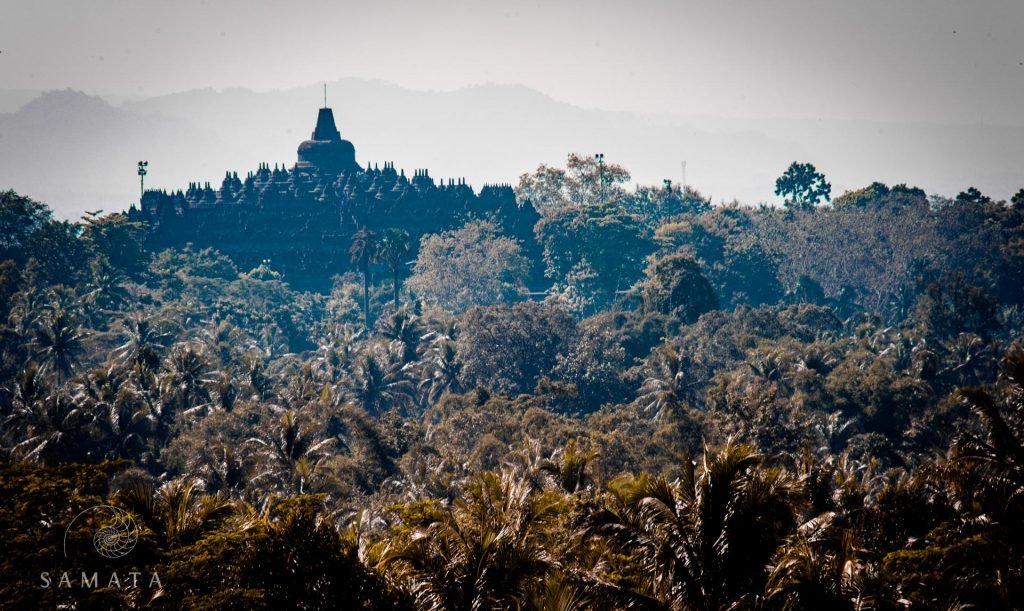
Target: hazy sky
column 918, row 60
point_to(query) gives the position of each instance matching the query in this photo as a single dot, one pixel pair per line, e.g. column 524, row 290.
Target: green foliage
column 190, row 263
column 469, row 266
column 120, row 241
column 973, row 196
column 586, row 180
column 39, row 504
column 592, row 252
column 676, row 286
column 508, row 348
column 393, row 250
column 724, row 242
column 802, row 186
column 837, row 376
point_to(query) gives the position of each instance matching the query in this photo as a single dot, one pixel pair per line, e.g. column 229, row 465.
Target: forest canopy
column 646, row 401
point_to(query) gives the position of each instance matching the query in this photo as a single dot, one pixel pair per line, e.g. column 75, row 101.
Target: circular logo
column 117, row 538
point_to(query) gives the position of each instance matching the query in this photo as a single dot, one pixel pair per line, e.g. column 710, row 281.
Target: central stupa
column 325, row 151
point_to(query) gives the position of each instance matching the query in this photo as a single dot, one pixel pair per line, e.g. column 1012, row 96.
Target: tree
column 20, row 219
column 121, row 417
column 442, row 370
column 728, row 244
column 44, row 425
column 105, row 285
column 57, row 342
column 668, row 383
column 676, row 286
column 509, row 348
column 489, row 551
column 702, row 542
column 802, row 186
column 818, row 569
column 380, row 381
column 361, row 254
column 656, row 205
column 951, row 305
column 29, row 231
column 1018, row 199
column 292, row 453
column 177, row 513
column 393, row 249
column 586, row 180
column 973, row 195
column 592, row 252
column 121, row 241
column 470, row 266
column 184, row 382
column 145, row 338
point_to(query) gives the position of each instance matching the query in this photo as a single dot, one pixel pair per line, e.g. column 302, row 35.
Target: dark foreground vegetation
column 812, row 407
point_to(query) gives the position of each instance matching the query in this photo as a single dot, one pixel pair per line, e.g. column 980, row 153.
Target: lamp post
column 142, row 178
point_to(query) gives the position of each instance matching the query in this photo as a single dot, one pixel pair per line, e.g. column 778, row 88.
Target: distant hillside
column 77, row 152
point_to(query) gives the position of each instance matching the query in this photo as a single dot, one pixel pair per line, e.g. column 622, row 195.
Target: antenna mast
column 325, row 95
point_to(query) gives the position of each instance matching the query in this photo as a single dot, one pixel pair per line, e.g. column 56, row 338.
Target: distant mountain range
column 78, row 152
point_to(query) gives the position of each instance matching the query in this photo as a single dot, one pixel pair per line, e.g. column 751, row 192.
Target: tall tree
column 57, row 342
column 802, row 186
column 586, row 179
column 362, row 253
column 470, row 266
column 393, row 250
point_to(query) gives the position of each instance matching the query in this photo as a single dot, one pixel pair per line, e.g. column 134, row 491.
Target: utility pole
column 600, row 169
column 684, row 176
column 142, row 178
column 325, row 95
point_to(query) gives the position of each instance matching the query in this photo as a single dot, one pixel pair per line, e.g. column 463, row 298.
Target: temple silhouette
column 302, row 218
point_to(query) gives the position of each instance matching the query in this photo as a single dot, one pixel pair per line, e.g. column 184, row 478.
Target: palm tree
column 818, row 568
column 225, row 341
column 336, row 351
column 381, row 381
column 970, row 359
column 121, row 416
column 986, row 479
column 570, row 467
column 44, row 425
column 1001, row 449
column 224, row 470
column 403, row 328
column 667, row 385
column 302, row 386
column 442, row 368
column 106, row 285
column 57, row 342
column 145, row 337
column 291, row 455
column 362, row 254
column 178, row 513
column 702, row 542
column 183, row 385
column 489, row 551
column 260, row 385
column 393, row 250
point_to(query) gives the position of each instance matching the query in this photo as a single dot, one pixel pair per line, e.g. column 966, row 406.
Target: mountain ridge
column 488, row 133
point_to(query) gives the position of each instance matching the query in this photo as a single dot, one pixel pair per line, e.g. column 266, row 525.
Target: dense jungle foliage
column 819, row 406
